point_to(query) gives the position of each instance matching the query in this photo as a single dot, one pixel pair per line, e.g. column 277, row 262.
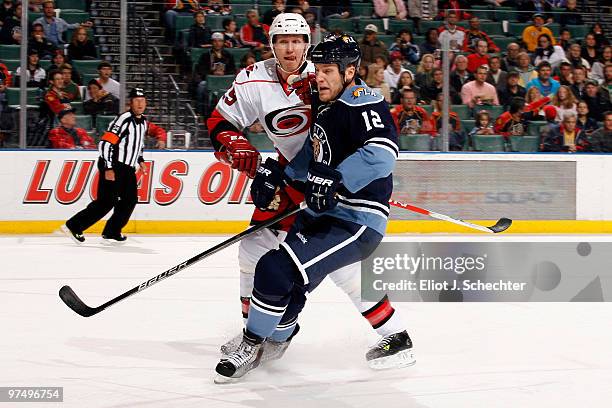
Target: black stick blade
column 501, row 225
column 75, row 303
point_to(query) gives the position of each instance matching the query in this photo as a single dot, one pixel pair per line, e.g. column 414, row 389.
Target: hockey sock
column 383, row 318
column 283, row 331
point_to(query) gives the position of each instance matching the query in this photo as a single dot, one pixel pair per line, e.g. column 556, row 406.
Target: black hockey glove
column 269, row 178
column 321, row 186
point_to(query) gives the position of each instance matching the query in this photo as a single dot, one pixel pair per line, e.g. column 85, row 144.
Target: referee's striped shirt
column 123, row 142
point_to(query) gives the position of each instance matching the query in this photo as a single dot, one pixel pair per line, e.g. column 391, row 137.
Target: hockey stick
column 500, row 226
column 75, row 303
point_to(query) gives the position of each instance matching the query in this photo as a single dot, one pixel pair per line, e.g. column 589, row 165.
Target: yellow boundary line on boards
column 394, row 227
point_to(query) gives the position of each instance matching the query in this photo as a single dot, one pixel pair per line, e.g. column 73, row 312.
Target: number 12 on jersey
column 375, row 120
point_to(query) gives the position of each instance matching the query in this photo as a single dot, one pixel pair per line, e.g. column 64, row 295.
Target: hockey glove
column 270, row 177
column 238, row 152
column 303, row 85
column 321, row 185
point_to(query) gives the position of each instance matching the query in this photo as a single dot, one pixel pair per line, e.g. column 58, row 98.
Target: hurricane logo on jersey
column 287, row 122
column 320, row 145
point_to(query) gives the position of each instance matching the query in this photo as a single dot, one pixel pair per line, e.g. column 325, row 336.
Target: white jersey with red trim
column 258, row 92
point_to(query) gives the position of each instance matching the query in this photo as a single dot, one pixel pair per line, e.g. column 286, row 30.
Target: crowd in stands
column 502, row 82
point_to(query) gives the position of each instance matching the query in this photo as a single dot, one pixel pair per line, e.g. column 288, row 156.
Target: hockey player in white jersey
column 262, row 92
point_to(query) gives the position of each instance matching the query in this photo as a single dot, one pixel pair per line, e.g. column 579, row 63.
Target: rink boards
column 190, row 192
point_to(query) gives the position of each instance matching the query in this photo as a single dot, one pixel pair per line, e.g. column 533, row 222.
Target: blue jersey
column 356, row 135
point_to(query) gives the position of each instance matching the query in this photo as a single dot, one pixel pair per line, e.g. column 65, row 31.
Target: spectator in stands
column 545, row 51
column 597, row 99
column 601, row 139
column 39, row 43
column 394, row 70
column 405, row 82
column 574, row 57
column 422, row 10
column 431, row 43
column 330, row 8
column 425, row 71
column 565, row 74
column 54, row 26
column 537, row 113
column 565, row 39
column 5, row 75
column 483, row 125
column 565, row 137
column 253, row 33
column 526, row 71
column 70, row 89
column 511, row 90
column 35, row 74
column 564, row 101
column 231, row 35
column 479, row 58
column 584, row 122
column 457, row 7
column 533, row 32
column 430, row 92
column 544, row 82
column 511, row 59
column 479, row 92
column 578, row 86
column 6, row 10
column 67, row 135
column 460, row 75
column 390, row 8
column 105, row 72
column 451, row 31
column 199, row 33
column 571, row 15
column 101, row 101
column 473, row 35
column 590, row 51
column 217, row 7
column 81, row 47
column 247, row 59
column 540, row 7
column 607, row 83
column 11, row 28
column 370, row 46
column 403, row 43
column 376, row 81
column 409, row 118
column 182, row 8
column 512, row 122
column 219, row 60
column 598, row 67
column 456, row 138
column 54, row 99
column 496, row 76
column 278, row 7
column 600, row 35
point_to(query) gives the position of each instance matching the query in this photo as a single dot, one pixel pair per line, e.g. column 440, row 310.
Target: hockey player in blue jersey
column 347, row 166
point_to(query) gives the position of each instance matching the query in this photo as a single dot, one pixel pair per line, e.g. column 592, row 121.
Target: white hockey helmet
column 289, row 23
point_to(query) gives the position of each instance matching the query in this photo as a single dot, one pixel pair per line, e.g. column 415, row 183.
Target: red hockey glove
column 238, row 152
column 303, row 85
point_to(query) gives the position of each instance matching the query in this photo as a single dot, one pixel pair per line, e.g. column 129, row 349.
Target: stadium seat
column 415, row 143
column 516, row 29
column 45, row 64
column 505, row 13
column 11, row 64
column 428, row 108
column 10, row 51
column 240, row 8
column 363, row 10
column 219, row 82
column 555, row 28
column 535, row 127
column 388, row 40
column 79, row 108
column 249, row 2
column 88, row 77
column 240, row 21
column 32, row 16
column 102, row 122
column 396, row 25
column 215, row 21
column 86, row 66
column 12, row 96
column 260, row 141
column 463, row 111
column 492, row 28
column 427, row 24
column 182, row 22
column 578, row 31
column 482, row 12
column 525, row 143
column 196, row 54
column 502, row 42
column 362, row 22
column 237, row 54
column 74, row 16
column 468, row 124
column 488, row 143
column 71, row 4
column 494, row 111
column 342, row 24
column 84, row 122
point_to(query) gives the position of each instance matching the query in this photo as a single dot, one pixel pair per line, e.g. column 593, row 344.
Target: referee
column 120, row 153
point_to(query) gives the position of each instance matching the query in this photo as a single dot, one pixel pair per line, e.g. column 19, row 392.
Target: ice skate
column 77, row 237
column 392, row 351
column 244, row 359
column 272, row 350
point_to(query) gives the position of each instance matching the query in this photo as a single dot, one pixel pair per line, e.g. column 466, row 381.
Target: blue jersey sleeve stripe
column 385, row 144
column 367, row 164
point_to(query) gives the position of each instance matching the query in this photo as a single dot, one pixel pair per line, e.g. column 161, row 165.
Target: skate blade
column 404, row 358
column 112, row 242
column 67, row 232
column 221, row 379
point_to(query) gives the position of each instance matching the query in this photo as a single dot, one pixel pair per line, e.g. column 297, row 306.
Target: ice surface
column 159, row 347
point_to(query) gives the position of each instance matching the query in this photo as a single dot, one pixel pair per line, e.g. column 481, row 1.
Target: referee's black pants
column 119, row 195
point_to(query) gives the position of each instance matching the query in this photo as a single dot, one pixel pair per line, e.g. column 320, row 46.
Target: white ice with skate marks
column 159, row 348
